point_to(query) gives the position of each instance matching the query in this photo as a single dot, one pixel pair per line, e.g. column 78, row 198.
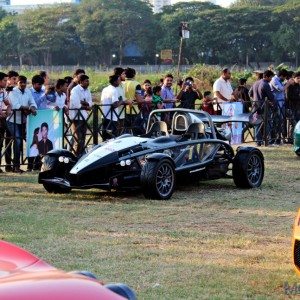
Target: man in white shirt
column 111, row 101
column 3, row 98
column 37, row 92
column 60, row 96
column 20, row 100
column 80, row 105
column 122, row 108
column 222, row 88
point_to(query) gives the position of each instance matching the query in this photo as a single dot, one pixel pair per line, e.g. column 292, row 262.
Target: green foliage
column 9, row 36
column 46, row 31
column 89, row 33
column 2, row 13
column 205, row 76
column 255, row 3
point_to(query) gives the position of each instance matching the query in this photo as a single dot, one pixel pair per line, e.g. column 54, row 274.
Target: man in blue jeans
column 279, row 133
column 22, row 104
column 265, row 100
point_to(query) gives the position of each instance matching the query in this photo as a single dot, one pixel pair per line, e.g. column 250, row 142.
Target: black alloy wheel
column 158, row 179
column 248, row 169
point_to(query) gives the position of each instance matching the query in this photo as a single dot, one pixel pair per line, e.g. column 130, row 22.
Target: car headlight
column 61, row 159
column 122, row 163
column 66, row 160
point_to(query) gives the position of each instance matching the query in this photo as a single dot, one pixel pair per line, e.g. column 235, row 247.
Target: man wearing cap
column 222, row 88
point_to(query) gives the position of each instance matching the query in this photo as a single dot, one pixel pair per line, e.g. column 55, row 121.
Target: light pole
column 156, row 58
column 184, row 33
column 113, row 56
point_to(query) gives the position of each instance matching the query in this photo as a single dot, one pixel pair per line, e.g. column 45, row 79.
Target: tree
column 3, row 13
column 256, row 3
column 45, row 31
column 169, row 21
column 9, row 37
column 288, row 35
column 107, row 26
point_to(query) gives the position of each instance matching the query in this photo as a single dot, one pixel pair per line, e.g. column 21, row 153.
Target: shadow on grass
column 133, row 196
column 106, row 196
column 207, row 185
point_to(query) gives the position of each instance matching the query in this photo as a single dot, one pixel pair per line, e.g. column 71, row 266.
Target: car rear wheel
column 248, row 169
column 158, row 179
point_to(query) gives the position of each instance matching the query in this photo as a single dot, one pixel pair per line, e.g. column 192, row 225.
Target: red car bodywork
column 24, row 276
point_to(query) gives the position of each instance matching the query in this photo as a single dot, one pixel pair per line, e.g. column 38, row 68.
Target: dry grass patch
column 210, row 241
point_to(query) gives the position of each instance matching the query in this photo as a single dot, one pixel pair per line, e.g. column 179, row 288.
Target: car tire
column 158, row 179
column 50, row 188
column 248, row 169
column 51, row 163
column 121, row 289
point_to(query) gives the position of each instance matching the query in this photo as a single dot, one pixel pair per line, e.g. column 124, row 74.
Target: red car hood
column 13, row 258
column 24, row 276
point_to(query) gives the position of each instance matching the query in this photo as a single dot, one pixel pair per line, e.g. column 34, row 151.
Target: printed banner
column 44, row 132
column 166, row 55
column 236, row 128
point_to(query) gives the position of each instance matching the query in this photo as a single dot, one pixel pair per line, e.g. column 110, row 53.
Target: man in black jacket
column 262, row 93
column 293, row 97
column 44, row 144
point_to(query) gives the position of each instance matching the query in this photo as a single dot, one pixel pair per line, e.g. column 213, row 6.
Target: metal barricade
column 274, row 126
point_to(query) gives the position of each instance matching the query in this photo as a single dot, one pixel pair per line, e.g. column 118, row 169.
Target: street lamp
column 113, row 56
column 184, row 33
column 156, row 58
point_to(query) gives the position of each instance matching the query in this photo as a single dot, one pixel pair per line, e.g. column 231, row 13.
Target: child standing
column 157, row 101
column 208, row 103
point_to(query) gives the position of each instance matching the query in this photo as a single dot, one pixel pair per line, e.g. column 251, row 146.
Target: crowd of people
column 126, row 105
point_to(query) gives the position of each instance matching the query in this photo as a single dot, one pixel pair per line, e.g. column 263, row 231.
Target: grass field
column 210, row 241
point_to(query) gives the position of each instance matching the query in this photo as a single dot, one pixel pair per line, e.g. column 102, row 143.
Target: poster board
column 236, row 128
column 44, row 132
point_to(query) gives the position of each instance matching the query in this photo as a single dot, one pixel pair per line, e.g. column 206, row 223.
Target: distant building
column 18, row 6
column 4, row 2
column 211, row 1
column 159, row 4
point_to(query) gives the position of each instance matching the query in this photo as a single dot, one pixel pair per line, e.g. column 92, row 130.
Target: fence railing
column 140, row 69
column 268, row 124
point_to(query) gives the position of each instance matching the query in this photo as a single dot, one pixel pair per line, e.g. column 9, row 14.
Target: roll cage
column 181, row 119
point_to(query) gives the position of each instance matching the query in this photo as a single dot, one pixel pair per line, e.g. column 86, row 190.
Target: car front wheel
column 51, row 163
column 158, row 179
column 248, row 169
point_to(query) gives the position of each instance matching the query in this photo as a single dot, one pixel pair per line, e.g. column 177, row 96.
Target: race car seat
column 157, row 129
column 196, row 131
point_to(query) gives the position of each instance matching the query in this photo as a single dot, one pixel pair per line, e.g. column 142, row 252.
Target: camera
column 188, row 83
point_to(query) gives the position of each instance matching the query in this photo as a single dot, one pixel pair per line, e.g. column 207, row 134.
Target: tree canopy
column 94, row 30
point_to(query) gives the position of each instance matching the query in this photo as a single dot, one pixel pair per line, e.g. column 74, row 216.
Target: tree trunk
column 121, row 54
column 21, row 60
column 47, row 57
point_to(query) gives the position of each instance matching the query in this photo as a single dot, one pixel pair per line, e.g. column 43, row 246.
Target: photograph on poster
column 44, row 132
column 231, row 109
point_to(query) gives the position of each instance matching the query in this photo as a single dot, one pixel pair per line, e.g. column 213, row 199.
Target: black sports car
column 192, row 146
